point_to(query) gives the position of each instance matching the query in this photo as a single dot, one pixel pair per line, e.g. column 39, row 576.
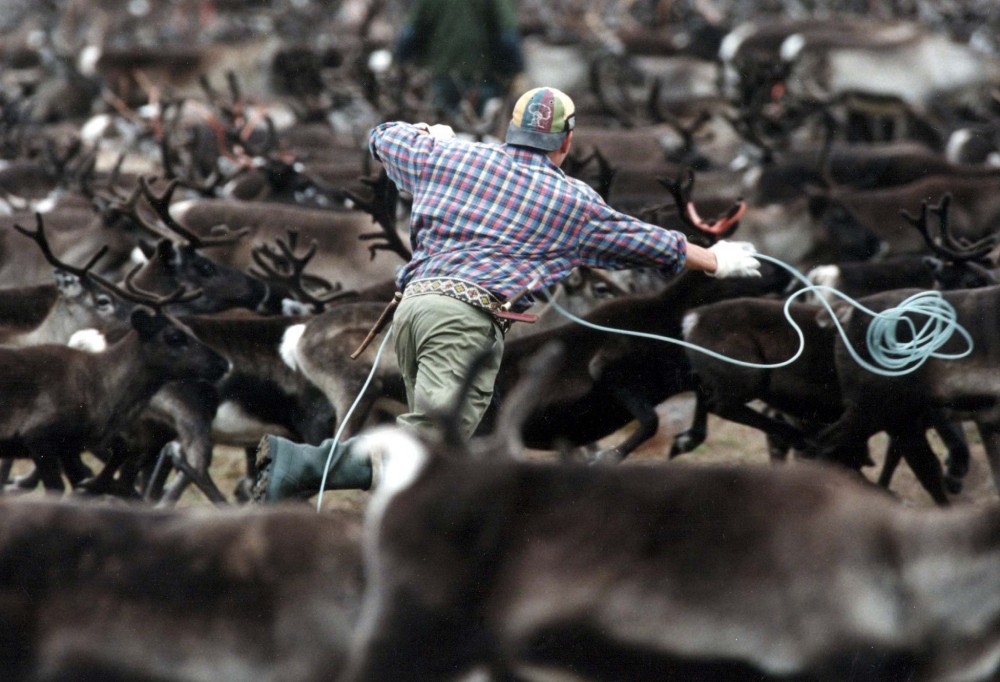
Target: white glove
column 735, row 259
column 438, row 131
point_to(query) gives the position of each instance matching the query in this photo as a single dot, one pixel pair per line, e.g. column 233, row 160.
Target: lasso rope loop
column 928, row 319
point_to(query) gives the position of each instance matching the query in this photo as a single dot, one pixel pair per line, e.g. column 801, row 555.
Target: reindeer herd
column 193, row 242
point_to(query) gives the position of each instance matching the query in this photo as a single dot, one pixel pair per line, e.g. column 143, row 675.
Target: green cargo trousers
column 436, row 339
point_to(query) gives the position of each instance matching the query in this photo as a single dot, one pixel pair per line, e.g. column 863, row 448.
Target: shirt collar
column 532, row 157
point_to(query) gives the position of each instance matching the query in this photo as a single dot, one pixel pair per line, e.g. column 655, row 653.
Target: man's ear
column 567, row 141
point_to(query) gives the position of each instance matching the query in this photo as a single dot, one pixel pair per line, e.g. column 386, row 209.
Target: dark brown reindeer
column 181, row 257
column 806, row 393
column 952, row 263
column 478, row 558
column 965, row 387
column 260, row 394
column 102, row 592
column 59, row 401
column 184, row 419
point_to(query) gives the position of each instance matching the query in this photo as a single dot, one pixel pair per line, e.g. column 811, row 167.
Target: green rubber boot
column 287, row 470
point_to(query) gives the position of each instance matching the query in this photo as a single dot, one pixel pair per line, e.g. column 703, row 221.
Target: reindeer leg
column 75, row 470
column 649, row 423
column 694, row 435
column 192, row 475
column 893, row 455
column 924, row 462
column 157, row 477
column 104, row 481
column 989, row 431
column 48, row 470
column 782, row 430
column 28, row 481
column 839, row 442
column 953, row 437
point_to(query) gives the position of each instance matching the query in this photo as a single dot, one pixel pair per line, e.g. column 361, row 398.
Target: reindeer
column 74, row 302
column 807, row 391
column 343, row 254
column 94, row 591
column 478, row 558
column 965, row 387
column 75, row 233
column 862, row 224
column 60, row 401
column 178, row 259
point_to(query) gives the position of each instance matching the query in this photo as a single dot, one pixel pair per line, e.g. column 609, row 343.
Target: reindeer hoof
column 90, row 486
column 113, row 488
column 953, row 484
column 607, row 457
column 685, row 442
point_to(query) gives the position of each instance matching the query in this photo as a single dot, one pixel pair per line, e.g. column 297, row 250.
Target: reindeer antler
column 285, row 259
column 133, row 293
column 161, row 205
column 721, row 227
column 38, row 236
column 948, row 246
column 382, row 208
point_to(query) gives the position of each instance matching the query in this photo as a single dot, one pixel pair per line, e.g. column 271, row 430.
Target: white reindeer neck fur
column 90, row 340
column 398, row 457
column 289, row 346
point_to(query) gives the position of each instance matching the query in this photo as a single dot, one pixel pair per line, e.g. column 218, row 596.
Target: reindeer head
column 76, row 285
column 168, row 346
column 956, row 263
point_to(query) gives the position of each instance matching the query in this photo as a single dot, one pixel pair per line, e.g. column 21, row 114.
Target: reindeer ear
column 166, row 252
column 147, row 248
column 145, row 322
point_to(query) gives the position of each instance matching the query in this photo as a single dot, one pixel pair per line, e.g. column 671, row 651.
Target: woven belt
column 470, row 293
column 459, row 289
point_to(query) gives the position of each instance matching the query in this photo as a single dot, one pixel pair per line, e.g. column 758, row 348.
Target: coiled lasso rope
column 892, row 355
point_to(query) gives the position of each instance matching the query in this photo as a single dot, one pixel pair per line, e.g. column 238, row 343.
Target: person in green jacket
column 472, row 48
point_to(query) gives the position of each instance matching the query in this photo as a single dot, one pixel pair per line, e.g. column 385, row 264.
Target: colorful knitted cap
column 541, row 119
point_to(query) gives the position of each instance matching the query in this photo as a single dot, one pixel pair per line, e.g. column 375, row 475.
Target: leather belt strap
column 379, row 325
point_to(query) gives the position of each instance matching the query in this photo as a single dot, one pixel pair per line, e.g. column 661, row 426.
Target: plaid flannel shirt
column 506, row 218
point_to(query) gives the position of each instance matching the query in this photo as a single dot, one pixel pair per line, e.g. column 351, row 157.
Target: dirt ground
column 727, row 443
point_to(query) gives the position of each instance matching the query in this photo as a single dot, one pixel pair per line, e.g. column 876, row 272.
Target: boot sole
column 262, row 462
column 265, row 468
